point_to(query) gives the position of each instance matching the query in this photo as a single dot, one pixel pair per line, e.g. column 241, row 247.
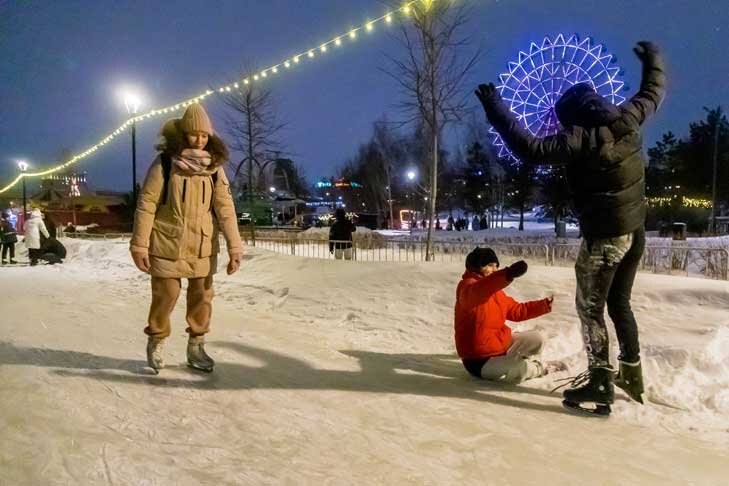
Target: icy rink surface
column 339, row 373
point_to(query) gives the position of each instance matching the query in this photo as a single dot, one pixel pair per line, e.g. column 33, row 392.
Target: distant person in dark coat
column 8, row 238
column 340, row 236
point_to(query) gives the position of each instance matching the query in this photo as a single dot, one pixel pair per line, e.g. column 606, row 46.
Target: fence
column 95, row 236
column 672, row 260
column 708, row 262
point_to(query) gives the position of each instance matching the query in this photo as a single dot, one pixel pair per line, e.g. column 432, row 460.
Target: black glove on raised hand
column 645, row 50
column 516, row 270
column 488, row 95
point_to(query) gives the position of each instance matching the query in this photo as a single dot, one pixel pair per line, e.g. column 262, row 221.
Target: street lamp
column 131, row 101
column 272, row 189
column 411, row 177
column 23, row 166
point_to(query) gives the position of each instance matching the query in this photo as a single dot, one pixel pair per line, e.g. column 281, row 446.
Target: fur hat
column 480, row 257
column 196, row 119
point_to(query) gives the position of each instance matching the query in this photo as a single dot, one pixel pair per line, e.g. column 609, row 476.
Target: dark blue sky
column 63, row 61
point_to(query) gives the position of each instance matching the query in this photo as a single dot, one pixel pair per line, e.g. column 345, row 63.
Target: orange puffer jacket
column 482, row 309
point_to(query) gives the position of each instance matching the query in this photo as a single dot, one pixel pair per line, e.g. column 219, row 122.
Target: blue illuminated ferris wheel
column 536, row 81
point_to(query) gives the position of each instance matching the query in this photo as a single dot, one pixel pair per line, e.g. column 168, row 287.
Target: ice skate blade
column 206, row 369
column 635, row 397
column 600, row 410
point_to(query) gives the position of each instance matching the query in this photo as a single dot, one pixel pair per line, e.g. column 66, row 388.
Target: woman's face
column 197, row 140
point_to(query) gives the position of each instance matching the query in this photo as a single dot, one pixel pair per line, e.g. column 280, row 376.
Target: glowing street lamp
column 272, row 189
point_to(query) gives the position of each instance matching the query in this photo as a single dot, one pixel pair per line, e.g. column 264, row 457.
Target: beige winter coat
column 181, row 233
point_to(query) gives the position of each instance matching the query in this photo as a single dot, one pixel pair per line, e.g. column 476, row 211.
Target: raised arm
column 522, row 311
column 473, row 295
column 652, row 86
column 553, row 150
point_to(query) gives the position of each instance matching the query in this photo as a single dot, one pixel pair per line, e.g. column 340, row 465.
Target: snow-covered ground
column 334, row 372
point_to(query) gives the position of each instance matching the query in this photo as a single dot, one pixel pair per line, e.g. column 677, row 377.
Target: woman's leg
column 165, row 292
column 199, row 305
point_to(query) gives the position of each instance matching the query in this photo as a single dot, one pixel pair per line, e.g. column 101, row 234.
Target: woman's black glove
column 488, row 94
column 516, row 270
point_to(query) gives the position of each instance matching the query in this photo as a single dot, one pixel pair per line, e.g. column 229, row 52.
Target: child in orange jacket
column 484, row 342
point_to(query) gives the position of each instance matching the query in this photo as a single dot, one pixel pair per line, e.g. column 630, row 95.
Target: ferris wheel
column 539, row 77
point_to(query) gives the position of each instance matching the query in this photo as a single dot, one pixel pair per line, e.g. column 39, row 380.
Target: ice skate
column 155, row 348
column 630, row 379
column 594, row 386
column 197, row 357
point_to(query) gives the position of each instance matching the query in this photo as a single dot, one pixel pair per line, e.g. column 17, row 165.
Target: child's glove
column 646, row 50
column 488, row 95
column 516, row 270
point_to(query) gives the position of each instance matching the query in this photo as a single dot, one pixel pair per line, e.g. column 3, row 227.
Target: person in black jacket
column 601, row 146
column 340, row 236
column 8, row 238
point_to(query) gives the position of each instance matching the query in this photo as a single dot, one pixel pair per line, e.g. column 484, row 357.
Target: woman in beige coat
column 183, row 202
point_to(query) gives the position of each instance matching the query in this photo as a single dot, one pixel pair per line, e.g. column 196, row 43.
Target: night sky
column 63, row 63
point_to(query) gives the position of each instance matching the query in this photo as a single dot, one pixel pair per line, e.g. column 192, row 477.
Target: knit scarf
column 193, row 162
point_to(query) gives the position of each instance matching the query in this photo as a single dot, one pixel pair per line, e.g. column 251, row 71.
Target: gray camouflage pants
column 605, row 272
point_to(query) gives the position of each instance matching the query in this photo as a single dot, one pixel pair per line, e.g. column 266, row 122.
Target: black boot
column 593, row 386
column 630, row 380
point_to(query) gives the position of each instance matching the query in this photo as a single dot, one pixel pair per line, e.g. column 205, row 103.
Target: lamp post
column 23, row 166
column 131, row 101
column 715, row 163
column 411, row 177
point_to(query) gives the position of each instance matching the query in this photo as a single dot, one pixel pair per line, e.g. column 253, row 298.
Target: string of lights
column 287, row 64
column 684, row 201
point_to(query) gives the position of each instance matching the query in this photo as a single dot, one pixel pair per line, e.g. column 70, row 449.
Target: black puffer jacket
column 8, row 235
column 601, row 146
column 340, row 234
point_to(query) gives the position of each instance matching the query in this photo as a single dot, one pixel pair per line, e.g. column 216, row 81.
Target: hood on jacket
column 582, row 106
column 172, row 141
column 36, row 214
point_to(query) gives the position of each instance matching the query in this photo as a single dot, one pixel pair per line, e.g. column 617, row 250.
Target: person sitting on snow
column 484, row 342
column 601, row 146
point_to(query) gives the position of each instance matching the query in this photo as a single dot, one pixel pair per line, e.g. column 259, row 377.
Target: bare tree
column 253, row 123
column 431, row 76
column 392, row 157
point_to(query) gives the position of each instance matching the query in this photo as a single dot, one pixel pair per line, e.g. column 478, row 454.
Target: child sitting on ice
column 484, row 342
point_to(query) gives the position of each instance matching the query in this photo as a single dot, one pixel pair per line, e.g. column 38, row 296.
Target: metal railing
column 394, row 250
column 673, row 260
column 94, row 236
